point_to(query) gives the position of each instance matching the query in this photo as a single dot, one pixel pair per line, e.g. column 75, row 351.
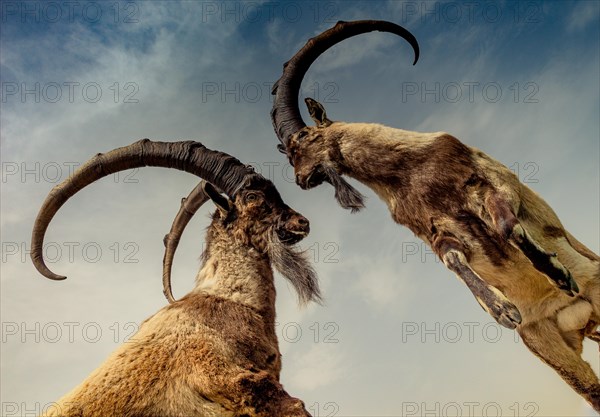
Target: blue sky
column 519, row 81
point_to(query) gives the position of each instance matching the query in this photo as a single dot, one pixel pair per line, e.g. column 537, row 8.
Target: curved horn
column 285, row 113
column 189, row 206
column 219, row 168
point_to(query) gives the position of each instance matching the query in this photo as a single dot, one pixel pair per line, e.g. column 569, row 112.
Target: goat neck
column 235, row 270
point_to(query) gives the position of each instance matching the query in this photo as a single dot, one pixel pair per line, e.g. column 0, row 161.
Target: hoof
column 510, row 317
column 501, row 309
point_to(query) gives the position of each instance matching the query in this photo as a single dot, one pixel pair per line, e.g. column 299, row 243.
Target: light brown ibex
column 215, row 351
column 497, row 235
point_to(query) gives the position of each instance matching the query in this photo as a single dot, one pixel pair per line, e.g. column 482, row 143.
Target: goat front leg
column 263, row 396
column 509, row 227
column 244, row 391
column 488, row 297
column 544, row 339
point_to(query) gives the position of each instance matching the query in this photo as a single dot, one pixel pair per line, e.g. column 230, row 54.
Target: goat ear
column 220, row 201
column 317, row 112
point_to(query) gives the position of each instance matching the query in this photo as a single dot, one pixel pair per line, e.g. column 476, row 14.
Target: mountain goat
column 215, row 351
column 497, row 235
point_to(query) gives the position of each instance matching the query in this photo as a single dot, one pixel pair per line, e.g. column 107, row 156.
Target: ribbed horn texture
column 189, row 206
column 285, row 114
column 219, row 168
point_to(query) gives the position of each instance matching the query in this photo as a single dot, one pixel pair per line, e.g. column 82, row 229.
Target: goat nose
column 299, row 223
column 303, row 221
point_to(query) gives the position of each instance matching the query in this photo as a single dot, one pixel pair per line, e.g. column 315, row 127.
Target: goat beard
column 294, row 265
column 346, row 195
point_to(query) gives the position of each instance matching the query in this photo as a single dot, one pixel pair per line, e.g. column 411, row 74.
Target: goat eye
column 251, row 197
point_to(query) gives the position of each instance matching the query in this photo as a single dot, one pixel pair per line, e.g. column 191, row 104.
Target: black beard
column 346, row 195
column 294, row 265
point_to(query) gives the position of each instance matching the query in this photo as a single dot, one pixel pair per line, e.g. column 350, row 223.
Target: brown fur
column 215, row 351
column 482, row 222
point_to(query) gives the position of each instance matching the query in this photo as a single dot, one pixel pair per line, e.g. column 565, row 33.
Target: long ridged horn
column 285, row 113
column 189, row 206
column 218, row 168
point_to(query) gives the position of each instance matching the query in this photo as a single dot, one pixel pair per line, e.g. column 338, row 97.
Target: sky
column 398, row 334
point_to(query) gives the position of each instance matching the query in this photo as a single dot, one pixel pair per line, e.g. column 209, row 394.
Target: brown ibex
column 497, row 235
column 215, row 351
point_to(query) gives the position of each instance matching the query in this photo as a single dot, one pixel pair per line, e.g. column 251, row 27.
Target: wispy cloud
column 376, row 275
column 583, row 14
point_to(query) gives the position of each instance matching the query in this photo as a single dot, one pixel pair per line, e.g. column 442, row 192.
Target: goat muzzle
column 315, row 178
column 294, row 229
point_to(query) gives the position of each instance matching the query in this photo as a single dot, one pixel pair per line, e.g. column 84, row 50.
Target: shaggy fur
column 214, row 352
column 346, row 195
column 296, row 268
column 496, row 234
